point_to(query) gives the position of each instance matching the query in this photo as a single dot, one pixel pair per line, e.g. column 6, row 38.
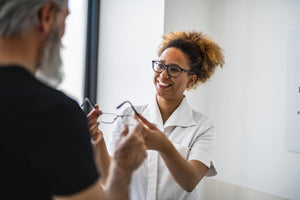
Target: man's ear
column 47, row 17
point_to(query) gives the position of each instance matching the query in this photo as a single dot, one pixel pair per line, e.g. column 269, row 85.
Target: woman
column 179, row 139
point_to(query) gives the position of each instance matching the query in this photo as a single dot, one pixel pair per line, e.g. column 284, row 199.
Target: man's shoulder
column 19, row 87
column 23, row 83
column 50, row 96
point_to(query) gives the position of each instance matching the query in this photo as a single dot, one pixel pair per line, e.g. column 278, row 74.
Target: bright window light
column 73, row 51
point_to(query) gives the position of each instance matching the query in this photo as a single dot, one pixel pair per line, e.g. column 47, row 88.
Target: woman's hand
column 153, row 137
column 93, row 123
column 186, row 173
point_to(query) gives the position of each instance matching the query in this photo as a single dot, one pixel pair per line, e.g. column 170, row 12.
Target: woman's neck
column 167, row 107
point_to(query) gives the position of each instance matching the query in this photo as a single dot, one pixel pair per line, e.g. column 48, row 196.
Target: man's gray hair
column 20, row 16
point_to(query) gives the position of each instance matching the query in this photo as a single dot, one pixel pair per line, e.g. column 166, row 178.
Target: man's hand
column 130, row 149
column 129, row 153
column 92, row 117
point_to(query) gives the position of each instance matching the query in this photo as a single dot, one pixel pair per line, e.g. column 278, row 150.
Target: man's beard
column 50, row 63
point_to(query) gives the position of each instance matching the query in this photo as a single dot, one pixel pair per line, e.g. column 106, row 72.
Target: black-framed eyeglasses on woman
column 172, row 70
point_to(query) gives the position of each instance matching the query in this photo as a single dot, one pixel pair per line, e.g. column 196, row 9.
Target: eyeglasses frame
column 86, row 99
column 115, row 117
column 167, row 67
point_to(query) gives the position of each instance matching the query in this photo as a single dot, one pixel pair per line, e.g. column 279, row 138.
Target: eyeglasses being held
column 110, row 118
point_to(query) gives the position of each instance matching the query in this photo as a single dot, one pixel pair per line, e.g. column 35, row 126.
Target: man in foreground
column 45, row 144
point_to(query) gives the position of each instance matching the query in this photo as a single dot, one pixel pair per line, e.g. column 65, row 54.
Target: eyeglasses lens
column 108, row 118
column 173, row 71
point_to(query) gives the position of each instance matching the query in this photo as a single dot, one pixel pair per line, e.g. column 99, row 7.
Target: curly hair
column 203, row 53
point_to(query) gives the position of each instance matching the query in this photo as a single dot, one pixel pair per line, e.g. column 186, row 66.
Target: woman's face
column 167, row 87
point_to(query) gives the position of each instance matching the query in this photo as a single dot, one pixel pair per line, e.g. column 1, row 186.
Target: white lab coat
column 192, row 134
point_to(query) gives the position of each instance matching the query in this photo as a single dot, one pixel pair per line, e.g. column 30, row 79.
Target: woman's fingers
column 144, row 121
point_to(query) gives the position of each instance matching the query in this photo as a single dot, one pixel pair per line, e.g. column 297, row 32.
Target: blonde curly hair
column 203, row 53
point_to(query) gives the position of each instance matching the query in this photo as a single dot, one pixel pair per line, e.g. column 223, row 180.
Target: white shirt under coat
column 192, row 134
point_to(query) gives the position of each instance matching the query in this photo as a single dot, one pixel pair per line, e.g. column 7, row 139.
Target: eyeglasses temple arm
column 89, row 102
column 130, row 105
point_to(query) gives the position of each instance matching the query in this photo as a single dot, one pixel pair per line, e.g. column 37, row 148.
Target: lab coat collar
column 182, row 116
column 152, row 113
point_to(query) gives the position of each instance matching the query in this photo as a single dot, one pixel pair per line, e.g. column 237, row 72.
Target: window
column 80, row 52
column 73, row 51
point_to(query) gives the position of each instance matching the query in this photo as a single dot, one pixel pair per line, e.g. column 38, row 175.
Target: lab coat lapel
column 182, row 116
column 152, row 114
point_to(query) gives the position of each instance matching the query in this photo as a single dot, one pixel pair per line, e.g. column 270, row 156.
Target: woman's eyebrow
column 172, row 64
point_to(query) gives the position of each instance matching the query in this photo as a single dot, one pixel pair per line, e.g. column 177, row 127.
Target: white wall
column 247, row 97
column 255, row 35
column 130, row 32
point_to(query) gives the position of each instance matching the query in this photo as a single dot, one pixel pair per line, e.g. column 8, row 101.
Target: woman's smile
column 163, row 85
